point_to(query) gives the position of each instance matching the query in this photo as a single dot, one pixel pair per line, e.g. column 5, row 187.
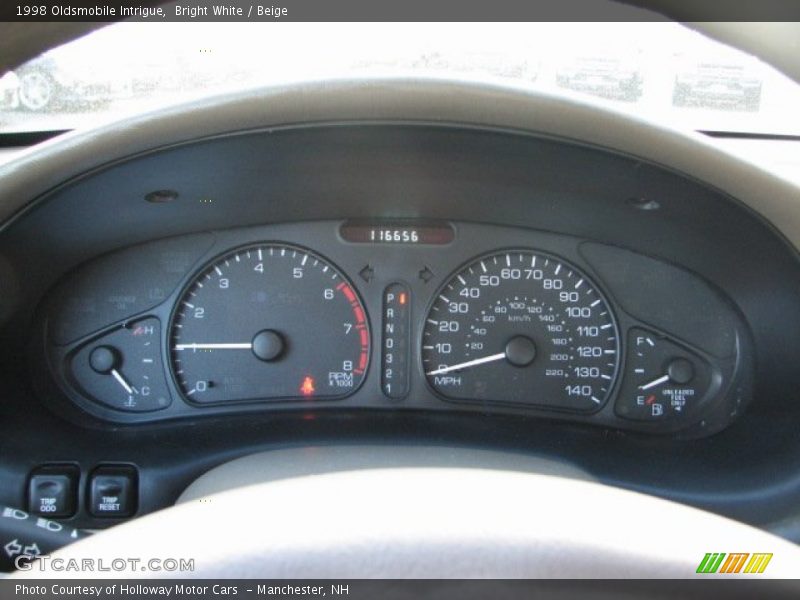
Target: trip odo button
column 51, row 492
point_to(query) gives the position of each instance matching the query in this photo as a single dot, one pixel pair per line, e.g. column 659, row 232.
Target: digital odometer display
column 521, row 327
column 269, row 322
column 367, row 232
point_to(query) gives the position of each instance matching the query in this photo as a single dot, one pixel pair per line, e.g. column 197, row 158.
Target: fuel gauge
column 123, row 369
column 663, row 380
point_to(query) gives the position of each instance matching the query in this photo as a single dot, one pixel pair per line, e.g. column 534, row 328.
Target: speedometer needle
column 246, row 346
column 469, row 363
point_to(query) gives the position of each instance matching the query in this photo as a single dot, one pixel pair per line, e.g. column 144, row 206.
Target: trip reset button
column 113, row 491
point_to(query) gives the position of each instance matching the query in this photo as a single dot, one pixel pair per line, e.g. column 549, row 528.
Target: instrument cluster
column 395, row 315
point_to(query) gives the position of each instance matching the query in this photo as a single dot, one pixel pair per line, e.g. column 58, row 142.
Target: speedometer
column 269, row 322
column 521, row 327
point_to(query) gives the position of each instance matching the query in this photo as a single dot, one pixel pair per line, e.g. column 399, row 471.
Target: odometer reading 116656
column 269, row 322
column 521, row 327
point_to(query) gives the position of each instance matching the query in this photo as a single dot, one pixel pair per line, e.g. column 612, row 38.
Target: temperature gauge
column 663, row 381
column 123, row 369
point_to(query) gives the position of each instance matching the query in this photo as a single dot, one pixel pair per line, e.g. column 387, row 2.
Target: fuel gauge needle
column 121, row 380
column 469, row 363
column 654, row 383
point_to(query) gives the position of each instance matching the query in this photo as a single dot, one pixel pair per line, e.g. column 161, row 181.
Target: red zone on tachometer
column 361, row 325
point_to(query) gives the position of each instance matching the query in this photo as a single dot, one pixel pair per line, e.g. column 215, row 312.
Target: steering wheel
column 369, row 512
column 361, row 512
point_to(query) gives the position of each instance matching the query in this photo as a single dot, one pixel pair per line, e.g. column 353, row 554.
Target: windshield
column 662, row 71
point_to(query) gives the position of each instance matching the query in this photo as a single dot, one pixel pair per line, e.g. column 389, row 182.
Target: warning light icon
column 307, row 387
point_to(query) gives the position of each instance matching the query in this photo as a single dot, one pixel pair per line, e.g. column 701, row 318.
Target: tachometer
column 521, row 327
column 269, row 322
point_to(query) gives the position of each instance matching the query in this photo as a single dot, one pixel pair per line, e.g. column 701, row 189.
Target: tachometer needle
column 654, row 383
column 121, row 380
column 247, row 346
column 469, row 363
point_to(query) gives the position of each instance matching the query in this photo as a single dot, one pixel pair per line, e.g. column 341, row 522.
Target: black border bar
column 392, row 589
column 40, row 11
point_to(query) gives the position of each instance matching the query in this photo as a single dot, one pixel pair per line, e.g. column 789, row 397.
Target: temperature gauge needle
column 121, row 380
column 469, row 363
column 654, row 383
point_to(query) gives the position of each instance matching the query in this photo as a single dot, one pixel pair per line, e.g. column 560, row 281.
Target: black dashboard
column 395, row 316
column 405, row 282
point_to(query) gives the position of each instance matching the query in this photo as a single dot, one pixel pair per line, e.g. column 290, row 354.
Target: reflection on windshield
column 660, row 71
